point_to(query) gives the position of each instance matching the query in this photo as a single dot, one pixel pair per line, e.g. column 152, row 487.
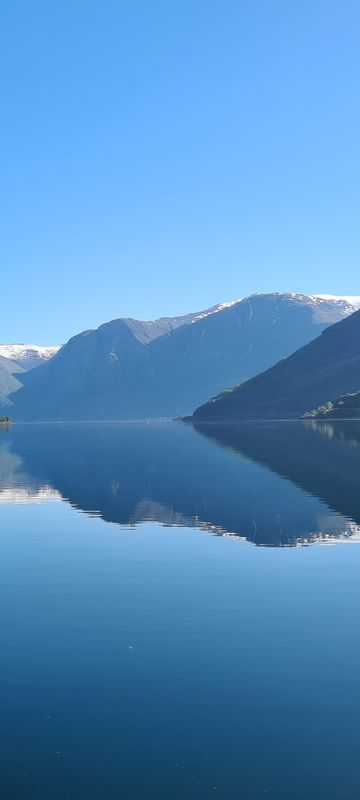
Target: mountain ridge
column 117, row 372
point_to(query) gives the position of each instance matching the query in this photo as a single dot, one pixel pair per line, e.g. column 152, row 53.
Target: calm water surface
column 180, row 612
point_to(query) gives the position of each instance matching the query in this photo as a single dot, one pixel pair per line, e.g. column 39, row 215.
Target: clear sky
column 160, row 156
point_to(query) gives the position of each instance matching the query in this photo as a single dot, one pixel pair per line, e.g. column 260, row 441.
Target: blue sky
column 159, row 157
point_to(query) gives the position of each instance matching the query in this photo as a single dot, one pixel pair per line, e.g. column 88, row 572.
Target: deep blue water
column 174, row 622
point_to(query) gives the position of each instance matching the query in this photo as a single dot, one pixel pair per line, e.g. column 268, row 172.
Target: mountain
column 28, row 355
column 147, row 331
column 124, row 370
column 318, row 373
column 9, row 382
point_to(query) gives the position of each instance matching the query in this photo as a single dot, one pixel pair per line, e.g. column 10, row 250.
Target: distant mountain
column 147, row 331
column 9, row 383
column 28, row 355
column 314, row 375
column 126, row 370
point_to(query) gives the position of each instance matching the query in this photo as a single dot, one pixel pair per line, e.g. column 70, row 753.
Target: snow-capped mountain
column 28, row 355
column 353, row 299
column 128, row 369
column 324, row 307
column 32, row 355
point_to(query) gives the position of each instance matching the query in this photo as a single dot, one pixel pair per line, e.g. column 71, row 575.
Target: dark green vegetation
column 5, row 420
column 129, row 370
column 322, row 371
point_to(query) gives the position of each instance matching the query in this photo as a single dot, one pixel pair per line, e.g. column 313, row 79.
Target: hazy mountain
column 9, row 383
column 316, row 374
column 147, row 331
column 28, row 355
column 117, row 372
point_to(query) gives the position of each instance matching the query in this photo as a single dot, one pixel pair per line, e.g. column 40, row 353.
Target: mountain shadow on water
column 320, row 458
column 249, row 486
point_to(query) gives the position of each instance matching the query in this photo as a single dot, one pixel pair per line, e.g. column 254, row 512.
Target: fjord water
column 163, row 632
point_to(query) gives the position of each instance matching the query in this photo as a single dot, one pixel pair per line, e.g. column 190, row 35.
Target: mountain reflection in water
column 275, row 485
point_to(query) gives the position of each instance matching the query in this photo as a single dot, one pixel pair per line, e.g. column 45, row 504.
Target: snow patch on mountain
column 28, row 355
column 214, row 310
column 326, row 307
column 352, row 299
